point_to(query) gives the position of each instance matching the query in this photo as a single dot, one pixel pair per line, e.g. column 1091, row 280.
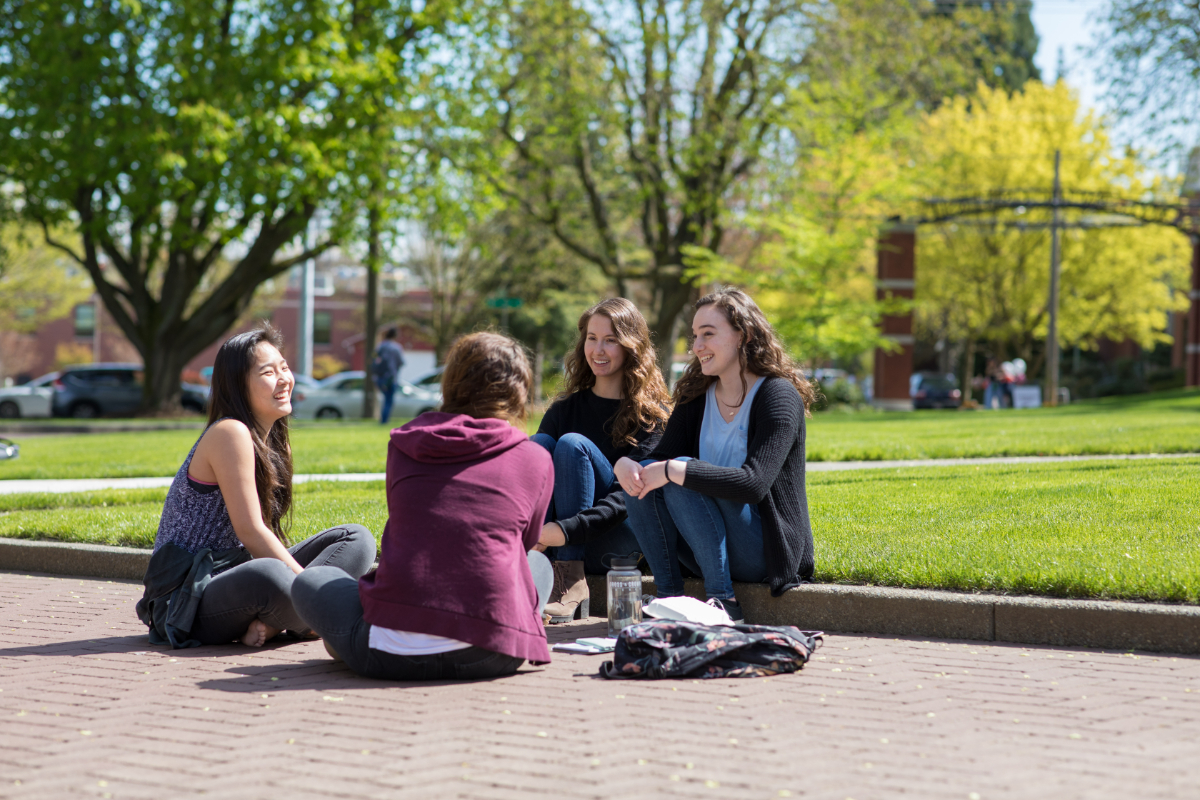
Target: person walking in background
column 614, row 405
column 723, row 493
column 221, row 569
column 385, row 369
column 459, row 591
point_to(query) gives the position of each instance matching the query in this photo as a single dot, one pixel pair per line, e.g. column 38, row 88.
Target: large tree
column 638, row 130
column 986, row 279
column 190, row 145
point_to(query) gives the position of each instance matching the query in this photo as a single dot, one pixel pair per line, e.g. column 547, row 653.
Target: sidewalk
column 92, row 710
column 22, row 486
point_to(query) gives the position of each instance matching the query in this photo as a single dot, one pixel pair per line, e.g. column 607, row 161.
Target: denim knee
column 545, row 440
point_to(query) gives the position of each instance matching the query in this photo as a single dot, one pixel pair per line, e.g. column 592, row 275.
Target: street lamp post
column 1051, row 398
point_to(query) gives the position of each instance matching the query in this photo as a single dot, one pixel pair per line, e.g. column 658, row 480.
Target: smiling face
column 716, row 342
column 603, row 351
column 269, row 386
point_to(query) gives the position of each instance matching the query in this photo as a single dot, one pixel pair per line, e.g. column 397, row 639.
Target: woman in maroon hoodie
column 459, row 592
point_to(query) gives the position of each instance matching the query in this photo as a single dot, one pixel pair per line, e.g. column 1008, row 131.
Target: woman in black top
column 723, row 492
column 614, row 406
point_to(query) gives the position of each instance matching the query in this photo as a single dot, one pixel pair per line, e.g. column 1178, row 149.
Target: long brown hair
column 761, row 352
column 272, row 452
column 644, row 402
column 487, row 375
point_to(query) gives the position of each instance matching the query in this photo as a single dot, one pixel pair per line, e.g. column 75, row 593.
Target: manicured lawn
column 1099, row 529
column 1168, row 422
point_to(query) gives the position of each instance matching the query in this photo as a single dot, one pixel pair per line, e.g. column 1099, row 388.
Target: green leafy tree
column 173, row 137
column 639, row 131
column 986, row 280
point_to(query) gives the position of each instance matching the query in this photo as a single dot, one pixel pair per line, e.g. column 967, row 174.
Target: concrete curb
column 827, row 607
column 955, row 615
column 66, row 558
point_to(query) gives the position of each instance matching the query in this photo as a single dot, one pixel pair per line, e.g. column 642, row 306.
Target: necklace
column 732, row 408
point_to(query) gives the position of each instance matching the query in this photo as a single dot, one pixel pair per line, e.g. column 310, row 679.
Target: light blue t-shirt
column 724, row 443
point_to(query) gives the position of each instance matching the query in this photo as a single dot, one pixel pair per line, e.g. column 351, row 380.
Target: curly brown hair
column 761, row 352
column 487, row 375
column 645, row 398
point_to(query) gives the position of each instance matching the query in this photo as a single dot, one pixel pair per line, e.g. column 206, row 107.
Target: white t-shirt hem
column 410, row 643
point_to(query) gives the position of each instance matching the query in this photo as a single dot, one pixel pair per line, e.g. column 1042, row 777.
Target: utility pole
column 1051, row 394
column 304, row 319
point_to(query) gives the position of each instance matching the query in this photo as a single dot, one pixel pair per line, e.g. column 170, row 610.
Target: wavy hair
column 761, row 352
column 487, row 375
column 645, row 398
column 272, row 451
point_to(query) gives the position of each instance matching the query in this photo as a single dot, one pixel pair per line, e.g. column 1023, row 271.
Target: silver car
column 31, row 400
column 340, row 396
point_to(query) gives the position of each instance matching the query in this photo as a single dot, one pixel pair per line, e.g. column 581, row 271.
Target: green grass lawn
column 1167, row 422
column 1100, row 529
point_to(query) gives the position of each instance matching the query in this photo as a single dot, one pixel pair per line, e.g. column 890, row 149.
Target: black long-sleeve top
column 772, row 476
column 590, row 415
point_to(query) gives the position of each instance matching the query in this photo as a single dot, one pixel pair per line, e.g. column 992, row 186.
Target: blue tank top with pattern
column 194, row 515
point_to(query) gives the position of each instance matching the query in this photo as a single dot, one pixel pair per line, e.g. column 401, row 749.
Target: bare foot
column 258, row 633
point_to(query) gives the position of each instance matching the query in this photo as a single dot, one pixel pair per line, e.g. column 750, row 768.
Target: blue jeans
column 388, row 389
column 583, row 477
column 718, row 539
column 329, row 602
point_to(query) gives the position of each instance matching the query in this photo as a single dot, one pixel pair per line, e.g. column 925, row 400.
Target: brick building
column 90, row 334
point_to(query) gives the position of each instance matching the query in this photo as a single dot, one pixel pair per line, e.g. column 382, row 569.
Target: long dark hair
column 272, row 452
column 644, row 406
column 487, row 375
column 761, row 352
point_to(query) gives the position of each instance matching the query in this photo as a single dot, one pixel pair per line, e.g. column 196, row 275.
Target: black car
column 937, row 391
column 95, row 390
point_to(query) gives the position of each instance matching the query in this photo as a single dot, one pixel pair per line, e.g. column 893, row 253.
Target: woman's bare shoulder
column 228, row 433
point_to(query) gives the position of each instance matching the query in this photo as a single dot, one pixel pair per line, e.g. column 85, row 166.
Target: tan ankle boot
column 575, row 597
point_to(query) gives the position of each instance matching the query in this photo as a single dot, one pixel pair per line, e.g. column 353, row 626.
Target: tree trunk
column 374, row 256
column 672, row 296
column 968, row 367
column 539, row 367
column 161, row 386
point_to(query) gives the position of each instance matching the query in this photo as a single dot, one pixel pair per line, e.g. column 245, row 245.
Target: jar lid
column 623, row 562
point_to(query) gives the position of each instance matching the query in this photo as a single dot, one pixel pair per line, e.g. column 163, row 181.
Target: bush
column 839, row 395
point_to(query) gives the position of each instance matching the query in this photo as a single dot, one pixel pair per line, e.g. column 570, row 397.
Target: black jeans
column 330, row 602
column 262, row 588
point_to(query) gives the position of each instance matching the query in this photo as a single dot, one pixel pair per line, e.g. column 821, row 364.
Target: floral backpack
column 680, row 649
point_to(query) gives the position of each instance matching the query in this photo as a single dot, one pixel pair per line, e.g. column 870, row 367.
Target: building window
column 85, row 320
column 322, row 327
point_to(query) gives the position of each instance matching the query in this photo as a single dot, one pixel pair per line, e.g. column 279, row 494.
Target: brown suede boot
column 574, row 598
column 556, row 592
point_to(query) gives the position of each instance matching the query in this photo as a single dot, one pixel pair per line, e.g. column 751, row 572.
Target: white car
column 340, row 396
column 31, row 400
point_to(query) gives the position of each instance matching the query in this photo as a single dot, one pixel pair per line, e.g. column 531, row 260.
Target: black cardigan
column 772, row 476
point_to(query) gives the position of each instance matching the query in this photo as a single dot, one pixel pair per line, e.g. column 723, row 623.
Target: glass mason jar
column 624, row 595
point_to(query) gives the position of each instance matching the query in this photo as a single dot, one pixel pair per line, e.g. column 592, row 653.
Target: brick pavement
column 90, row 710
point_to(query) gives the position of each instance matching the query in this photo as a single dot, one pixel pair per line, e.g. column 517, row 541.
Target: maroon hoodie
column 466, row 500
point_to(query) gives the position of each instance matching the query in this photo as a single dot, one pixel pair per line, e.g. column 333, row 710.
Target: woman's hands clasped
column 638, row 481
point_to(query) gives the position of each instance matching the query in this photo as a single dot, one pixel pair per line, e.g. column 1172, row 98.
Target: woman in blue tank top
column 221, row 568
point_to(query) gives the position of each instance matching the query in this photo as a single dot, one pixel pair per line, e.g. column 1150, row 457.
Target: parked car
column 30, row 400
column 936, row 390
column 431, row 380
column 96, row 390
column 341, row 396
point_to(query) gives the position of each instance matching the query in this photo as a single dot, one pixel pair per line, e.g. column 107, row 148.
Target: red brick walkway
column 90, row 709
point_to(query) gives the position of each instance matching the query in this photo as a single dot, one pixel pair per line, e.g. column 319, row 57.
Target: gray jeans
column 329, row 600
column 262, row 588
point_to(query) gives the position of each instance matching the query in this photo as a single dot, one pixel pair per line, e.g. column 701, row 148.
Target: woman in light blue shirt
column 723, row 492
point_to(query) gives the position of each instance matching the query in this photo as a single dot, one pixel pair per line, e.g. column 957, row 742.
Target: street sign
column 505, row 302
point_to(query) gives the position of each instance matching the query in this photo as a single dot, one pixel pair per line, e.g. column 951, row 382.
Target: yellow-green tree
column 37, row 283
column 985, row 280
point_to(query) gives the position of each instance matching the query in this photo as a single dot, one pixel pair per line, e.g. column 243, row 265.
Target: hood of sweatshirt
column 439, row 438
